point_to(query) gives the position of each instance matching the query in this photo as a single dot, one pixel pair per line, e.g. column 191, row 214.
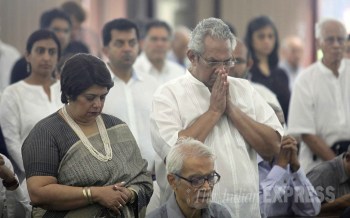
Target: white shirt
column 8, row 56
column 131, row 102
column 291, row 73
column 320, row 105
column 178, row 103
column 22, row 106
column 170, row 69
column 17, row 203
column 267, row 94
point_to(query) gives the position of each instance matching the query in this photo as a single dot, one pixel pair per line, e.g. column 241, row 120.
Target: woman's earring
column 28, row 67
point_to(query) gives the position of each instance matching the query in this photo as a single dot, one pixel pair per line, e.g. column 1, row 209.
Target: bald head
column 292, row 50
column 327, row 25
column 180, row 41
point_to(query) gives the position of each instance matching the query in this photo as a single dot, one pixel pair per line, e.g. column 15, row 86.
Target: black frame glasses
column 212, row 179
column 213, row 64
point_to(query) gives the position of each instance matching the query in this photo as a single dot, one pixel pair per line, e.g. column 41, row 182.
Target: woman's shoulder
column 111, row 120
column 49, row 121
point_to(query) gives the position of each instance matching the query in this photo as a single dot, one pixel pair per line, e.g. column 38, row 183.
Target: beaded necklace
column 102, row 131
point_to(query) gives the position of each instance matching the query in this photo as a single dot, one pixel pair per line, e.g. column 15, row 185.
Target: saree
column 79, row 168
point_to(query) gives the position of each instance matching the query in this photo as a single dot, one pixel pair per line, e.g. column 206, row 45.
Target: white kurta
column 170, row 70
column 22, row 106
column 320, row 105
column 178, row 104
column 8, row 57
column 131, row 102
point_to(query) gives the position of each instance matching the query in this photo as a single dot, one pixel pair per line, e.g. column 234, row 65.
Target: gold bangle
column 85, row 195
column 89, row 196
column 133, row 196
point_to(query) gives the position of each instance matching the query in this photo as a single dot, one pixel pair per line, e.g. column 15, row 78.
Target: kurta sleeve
column 165, row 121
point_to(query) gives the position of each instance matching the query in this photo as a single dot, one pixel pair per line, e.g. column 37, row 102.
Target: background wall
column 19, row 18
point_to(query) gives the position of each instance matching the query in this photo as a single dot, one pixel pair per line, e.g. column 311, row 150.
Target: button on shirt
column 131, row 102
column 170, row 69
column 320, row 105
column 178, row 103
column 282, row 192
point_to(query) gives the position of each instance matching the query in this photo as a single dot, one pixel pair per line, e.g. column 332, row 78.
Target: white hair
column 212, row 27
column 185, row 148
column 320, row 25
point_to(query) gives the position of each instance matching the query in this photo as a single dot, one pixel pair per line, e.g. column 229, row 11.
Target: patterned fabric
column 126, row 164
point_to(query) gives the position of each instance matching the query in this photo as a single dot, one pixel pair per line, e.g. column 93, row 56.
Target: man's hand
column 218, row 92
column 288, row 153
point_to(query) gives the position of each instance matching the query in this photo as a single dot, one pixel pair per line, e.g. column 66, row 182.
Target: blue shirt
column 282, row 192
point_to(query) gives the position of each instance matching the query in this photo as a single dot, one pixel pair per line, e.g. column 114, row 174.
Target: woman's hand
column 108, row 197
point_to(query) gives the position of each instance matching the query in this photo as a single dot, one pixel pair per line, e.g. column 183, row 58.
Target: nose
column 97, row 102
column 206, row 185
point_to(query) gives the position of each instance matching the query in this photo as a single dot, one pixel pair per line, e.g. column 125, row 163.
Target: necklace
column 102, row 131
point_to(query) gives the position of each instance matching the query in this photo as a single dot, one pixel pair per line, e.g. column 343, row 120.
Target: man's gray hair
column 212, row 27
column 185, row 148
column 320, row 25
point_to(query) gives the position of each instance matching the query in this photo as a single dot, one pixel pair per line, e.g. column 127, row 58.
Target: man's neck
column 123, row 74
column 158, row 64
column 333, row 66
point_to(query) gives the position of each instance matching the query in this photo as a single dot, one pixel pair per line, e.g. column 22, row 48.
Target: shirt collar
column 174, row 210
column 145, row 62
column 134, row 75
column 326, row 70
column 193, row 79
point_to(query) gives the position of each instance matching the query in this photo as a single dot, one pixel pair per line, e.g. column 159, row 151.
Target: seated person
column 331, row 179
column 16, row 202
column 191, row 174
column 283, row 186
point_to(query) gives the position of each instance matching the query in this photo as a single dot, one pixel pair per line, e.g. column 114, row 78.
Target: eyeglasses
column 331, row 40
column 240, row 61
column 213, row 64
column 212, row 179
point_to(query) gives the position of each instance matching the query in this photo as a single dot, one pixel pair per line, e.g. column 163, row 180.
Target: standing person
column 111, row 180
column 191, row 174
column 262, row 41
column 80, row 33
column 225, row 113
column 8, row 57
column 347, row 48
column 323, row 86
column 153, row 60
column 58, row 22
column 24, row 103
column 130, row 98
column 292, row 50
column 179, row 45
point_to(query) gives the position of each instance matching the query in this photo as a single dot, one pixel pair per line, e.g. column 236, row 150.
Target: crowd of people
column 188, row 123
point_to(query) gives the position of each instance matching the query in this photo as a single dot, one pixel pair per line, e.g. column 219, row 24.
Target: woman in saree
column 80, row 162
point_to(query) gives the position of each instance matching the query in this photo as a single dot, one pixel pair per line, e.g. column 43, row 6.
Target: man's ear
column 250, row 63
column 105, row 50
column 191, row 56
column 172, row 181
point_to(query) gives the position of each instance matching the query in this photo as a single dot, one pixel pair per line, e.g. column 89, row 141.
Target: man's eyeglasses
column 197, row 182
column 331, row 40
column 213, row 64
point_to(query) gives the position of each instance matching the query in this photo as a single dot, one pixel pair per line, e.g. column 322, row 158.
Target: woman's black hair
column 257, row 24
column 80, row 72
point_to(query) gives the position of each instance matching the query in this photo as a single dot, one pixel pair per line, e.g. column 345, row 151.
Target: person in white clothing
column 130, row 98
column 25, row 103
column 13, row 201
column 320, row 103
column 292, row 50
column 8, row 56
column 153, row 59
column 225, row 113
column 179, row 45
